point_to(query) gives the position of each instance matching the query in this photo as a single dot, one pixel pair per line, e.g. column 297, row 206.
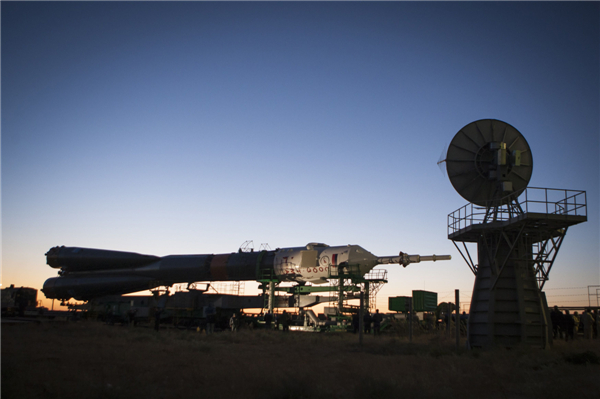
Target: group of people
column 566, row 325
column 369, row 321
column 283, row 319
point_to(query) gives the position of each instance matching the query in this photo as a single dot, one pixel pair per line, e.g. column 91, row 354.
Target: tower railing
column 548, row 201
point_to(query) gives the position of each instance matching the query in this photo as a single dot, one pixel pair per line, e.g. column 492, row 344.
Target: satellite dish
column 489, row 162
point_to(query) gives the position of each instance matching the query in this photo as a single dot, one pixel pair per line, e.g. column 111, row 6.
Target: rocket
column 86, row 273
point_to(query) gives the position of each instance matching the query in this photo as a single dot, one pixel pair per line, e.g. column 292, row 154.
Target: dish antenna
column 489, row 163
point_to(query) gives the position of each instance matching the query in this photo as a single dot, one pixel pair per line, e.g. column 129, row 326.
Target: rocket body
column 86, row 273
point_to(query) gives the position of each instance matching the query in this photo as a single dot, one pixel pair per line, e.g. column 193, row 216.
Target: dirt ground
column 91, row 360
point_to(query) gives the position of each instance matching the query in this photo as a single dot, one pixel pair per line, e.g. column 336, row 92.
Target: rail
column 549, row 201
column 376, row 275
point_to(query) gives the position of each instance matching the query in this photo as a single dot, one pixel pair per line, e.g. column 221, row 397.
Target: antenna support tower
column 489, row 163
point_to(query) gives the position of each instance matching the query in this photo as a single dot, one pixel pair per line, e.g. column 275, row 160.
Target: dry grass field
column 92, row 360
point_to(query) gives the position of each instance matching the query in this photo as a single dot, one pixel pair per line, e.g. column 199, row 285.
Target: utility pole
column 457, row 300
column 360, row 318
column 448, row 317
column 410, row 320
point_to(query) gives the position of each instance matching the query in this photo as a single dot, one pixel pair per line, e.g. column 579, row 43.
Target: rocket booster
column 86, row 273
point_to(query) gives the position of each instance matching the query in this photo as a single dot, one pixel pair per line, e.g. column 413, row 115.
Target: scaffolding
column 348, row 283
column 227, row 288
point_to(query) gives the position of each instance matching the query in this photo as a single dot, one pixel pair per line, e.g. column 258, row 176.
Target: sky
column 191, row 127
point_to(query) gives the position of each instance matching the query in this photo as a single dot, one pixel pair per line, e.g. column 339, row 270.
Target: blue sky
column 191, row 127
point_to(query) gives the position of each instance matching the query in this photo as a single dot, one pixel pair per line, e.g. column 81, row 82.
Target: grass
column 91, row 360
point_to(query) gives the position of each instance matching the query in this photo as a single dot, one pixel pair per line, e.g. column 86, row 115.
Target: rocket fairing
column 86, row 273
